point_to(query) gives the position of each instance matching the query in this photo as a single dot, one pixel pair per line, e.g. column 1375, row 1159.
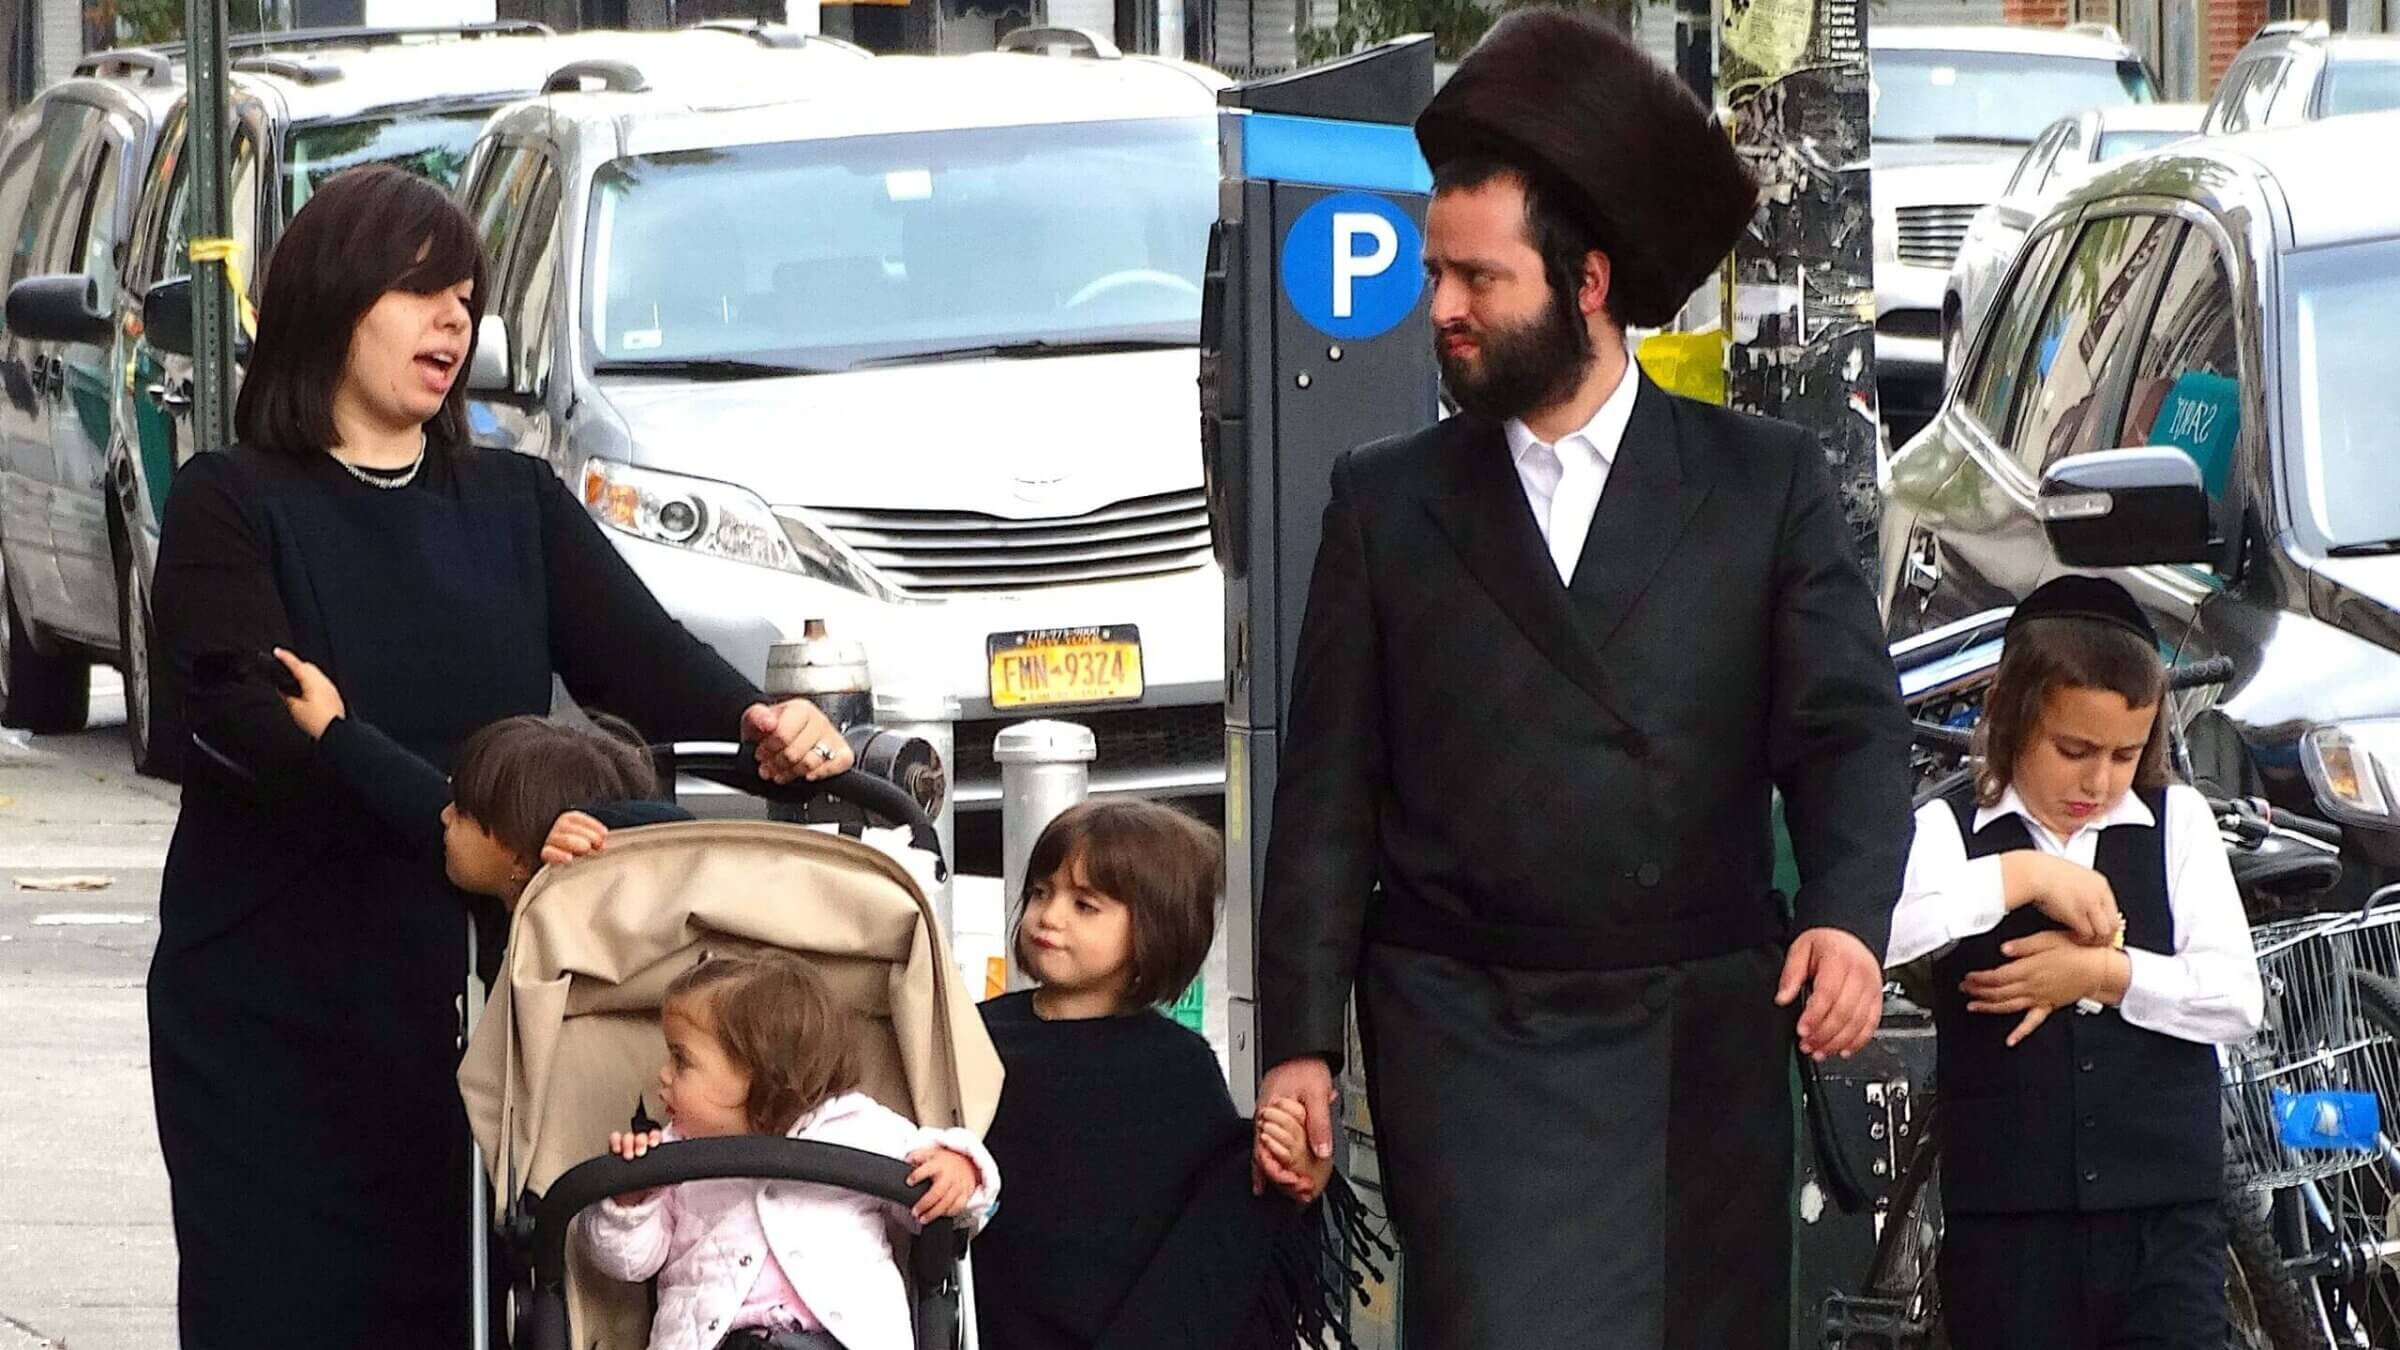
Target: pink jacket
column 705, row 1240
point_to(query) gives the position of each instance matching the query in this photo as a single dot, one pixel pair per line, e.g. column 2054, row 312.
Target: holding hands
column 1282, row 1131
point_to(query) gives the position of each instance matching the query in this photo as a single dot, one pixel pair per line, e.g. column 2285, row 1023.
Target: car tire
column 152, row 743
column 38, row 693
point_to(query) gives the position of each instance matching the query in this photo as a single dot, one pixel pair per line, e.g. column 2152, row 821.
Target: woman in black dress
column 303, row 1000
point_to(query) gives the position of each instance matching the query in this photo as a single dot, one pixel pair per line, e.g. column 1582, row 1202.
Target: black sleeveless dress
column 304, row 1008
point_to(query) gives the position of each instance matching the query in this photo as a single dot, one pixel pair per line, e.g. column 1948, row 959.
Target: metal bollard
column 932, row 718
column 1045, row 767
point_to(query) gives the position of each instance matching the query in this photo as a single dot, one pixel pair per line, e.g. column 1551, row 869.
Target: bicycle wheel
column 2264, row 1306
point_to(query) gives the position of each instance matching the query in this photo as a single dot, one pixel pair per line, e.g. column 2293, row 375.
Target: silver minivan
column 909, row 347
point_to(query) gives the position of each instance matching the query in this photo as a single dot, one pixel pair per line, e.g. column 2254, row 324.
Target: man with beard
column 1559, row 652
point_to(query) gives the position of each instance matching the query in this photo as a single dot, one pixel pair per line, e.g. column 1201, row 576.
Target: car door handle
column 1922, row 571
column 176, row 398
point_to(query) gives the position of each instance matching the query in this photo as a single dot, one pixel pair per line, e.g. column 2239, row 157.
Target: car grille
column 1930, row 236
column 961, row 552
column 1130, row 740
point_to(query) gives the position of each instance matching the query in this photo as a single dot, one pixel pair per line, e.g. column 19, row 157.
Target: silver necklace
column 380, row 481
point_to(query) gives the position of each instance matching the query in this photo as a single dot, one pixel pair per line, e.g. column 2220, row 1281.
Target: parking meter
column 1313, row 340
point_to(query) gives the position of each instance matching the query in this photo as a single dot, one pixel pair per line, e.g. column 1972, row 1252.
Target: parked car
column 1952, row 109
column 2065, row 155
column 71, row 164
column 298, row 116
column 2299, row 72
column 2225, row 298
column 909, row 349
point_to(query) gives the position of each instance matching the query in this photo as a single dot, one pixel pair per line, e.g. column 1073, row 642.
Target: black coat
column 303, row 1015
column 1532, row 822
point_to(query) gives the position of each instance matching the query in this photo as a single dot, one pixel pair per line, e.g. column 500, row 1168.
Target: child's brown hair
column 780, row 1024
column 1167, row 869
column 518, row 775
column 2043, row 656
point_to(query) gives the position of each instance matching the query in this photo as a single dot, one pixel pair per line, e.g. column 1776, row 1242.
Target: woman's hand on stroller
column 318, row 703
column 573, row 835
column 950, row 1177
column 629, row 1145
column 795, row 740
column 1282, row 1134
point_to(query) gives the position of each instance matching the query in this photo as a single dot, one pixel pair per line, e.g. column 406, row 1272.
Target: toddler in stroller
column 599, row 955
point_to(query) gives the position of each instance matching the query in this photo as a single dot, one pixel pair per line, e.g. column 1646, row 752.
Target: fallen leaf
column 83, row 883
column 6, row 800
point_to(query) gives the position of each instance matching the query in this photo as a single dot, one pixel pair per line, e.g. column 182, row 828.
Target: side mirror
column 168, row 322
column 2127, row 508
column 58, row 309
column 167, row 316
column 489, row 373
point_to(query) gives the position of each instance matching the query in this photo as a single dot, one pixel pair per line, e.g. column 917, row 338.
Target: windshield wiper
column 1018, row 351
column 1982, row 140
column 2375, row 548
column 708, row 368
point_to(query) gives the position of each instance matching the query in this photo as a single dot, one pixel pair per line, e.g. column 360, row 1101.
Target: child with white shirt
column 2091, row 953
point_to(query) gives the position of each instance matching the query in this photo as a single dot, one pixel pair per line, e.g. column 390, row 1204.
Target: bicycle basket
column 2317, row 1037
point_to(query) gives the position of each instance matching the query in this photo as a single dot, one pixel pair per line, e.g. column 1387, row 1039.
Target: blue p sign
column 1353, row 267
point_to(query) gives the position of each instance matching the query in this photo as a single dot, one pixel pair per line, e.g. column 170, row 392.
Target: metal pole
column 1045, row 767
column 932, row 717
column 212, row 297
column 479, row 1195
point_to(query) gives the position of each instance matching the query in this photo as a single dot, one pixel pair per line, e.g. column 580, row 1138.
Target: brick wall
column 2231, row 23
column 2046, row 13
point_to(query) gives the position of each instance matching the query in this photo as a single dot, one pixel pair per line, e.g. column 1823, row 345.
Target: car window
column 2070, row 150
column 496, row 201
column 2083, row 338
column 2340, row 400
column 174, row 258
column 526, row 298
column 2361, row 86
column 59, row 167
column 1991, row 386
column 1991, row 97
column 431, row 146
column 2229, row 111
column 96, row 253
column 2186, row 389
column 2116, row 145
column 2258, row 96
column 2034, row 164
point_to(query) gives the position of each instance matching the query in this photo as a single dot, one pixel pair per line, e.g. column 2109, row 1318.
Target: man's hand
column 795, row 740
column 2045, row 973
column 1845, row 984
column 1283, row 1136
column 319, row 702
column 1308, row 1081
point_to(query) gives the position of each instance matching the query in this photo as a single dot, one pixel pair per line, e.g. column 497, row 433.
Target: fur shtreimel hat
column 1567, row 99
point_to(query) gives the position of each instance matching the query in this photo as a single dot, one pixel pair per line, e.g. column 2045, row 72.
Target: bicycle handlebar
column 2214, row 670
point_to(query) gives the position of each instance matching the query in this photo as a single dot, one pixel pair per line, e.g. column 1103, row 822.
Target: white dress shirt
column 2205, row 990
column 1563, row 481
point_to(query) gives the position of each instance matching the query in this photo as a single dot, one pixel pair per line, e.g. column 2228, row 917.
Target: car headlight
column 717, row 519
column 2349, row 765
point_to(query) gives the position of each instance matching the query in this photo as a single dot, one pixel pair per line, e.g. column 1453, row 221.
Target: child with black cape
column 1131, row 1221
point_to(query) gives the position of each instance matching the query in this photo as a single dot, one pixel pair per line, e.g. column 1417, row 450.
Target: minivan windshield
column 2345, row 401
column 1993, row 98
column 828, row 254
column 430, row 145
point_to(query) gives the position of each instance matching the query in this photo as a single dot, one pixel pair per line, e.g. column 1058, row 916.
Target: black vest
column 2090, row 1112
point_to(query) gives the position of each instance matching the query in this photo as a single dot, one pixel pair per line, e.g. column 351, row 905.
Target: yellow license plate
column 1066, row 665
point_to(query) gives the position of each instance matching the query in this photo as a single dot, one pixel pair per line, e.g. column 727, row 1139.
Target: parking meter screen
column 881, row 250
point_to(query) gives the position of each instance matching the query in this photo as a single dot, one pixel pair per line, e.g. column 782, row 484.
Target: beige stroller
column 569, row 1048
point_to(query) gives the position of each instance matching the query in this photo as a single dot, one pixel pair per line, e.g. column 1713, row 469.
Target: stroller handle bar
column 933, row 1263
column 734, row 766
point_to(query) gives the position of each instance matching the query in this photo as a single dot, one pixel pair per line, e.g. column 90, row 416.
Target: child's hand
column 2044, row 973
column 2076, row 896
column 1283, row 1132
column 572, row 836
column 319, row 702
column 952, row 1177
column 629, row 1145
